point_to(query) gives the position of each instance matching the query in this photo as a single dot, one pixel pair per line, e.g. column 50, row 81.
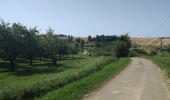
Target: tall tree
column 62, row 46
column 121, row 46
column 82, row 44
column 70, row 37
column 31, row 43
column 52, row 45
column 11, row 38
column 89, row 38
column 42, row 43
column 77, row 40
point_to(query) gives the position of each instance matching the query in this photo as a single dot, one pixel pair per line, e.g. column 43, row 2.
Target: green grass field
column 77, row 89
column 30, row 81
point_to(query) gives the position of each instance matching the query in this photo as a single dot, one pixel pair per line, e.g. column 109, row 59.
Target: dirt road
column 139, row 81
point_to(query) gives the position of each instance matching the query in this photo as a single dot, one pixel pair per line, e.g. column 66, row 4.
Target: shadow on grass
column 33, row 71
column 71, row 58
column 41, row 69
column 24, row 69
column 4, row 66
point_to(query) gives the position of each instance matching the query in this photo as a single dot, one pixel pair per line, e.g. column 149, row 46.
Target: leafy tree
column 52, row 45
column 11, row 38
column 77, row 40
column 62, row 48
column 73, row 48
column 168, row 48
column 82, row 44
column 70, row 37
column 89, row 38
column 31, row 43
column 121, row 46
column 104, row 40
column 42, row 46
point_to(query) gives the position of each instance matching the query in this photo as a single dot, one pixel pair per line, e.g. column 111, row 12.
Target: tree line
column 110, row 45
column 16, row 40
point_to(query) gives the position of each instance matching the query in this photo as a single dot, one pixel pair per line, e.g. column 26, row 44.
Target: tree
column 52, row 45
column 31, row 43
column 121, row 46
column 72, row 48
column 42, row 46
column 89, row 38
column 77, row 40
column 70, row 37
column 11, row 38
column 82, row 44
column 168, row 48
column 62, row 46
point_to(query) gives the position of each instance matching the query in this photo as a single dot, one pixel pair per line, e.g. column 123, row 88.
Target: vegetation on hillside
column 117, row 46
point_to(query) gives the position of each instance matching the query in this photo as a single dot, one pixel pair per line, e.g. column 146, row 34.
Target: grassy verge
column 163, row 61
column 30, row 81
column 75, row 90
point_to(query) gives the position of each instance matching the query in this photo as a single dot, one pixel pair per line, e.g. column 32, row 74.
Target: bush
column 152, row 52
column 103, row 51
column 121, row 48
column 133, row 53
column 168, row 49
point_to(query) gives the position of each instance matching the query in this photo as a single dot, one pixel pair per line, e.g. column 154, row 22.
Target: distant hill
column 137, row 41
column 149, row 41
column 83, row 38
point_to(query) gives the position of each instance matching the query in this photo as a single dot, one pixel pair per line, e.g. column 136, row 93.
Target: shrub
column 152, row 52
column 121, row 48
column 168, row 49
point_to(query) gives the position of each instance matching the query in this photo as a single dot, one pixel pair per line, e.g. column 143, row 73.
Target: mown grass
column 30, row 81
column 77, row 89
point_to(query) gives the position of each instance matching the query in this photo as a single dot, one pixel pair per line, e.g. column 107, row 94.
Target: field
column 29, row 81
column 150, row 41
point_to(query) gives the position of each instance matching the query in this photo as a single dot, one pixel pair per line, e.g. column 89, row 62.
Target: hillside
column 149, row 41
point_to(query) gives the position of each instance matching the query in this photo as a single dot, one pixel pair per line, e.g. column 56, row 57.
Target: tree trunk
column 40, row 58
column 12, row 64
column 59, row 56
column 54, row 60
column 30, row 58
column 55, row 63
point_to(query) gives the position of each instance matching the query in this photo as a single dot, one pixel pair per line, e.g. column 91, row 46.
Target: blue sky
column 141, row 18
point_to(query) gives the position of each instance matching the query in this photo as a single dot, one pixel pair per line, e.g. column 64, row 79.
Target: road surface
column 141, row 80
